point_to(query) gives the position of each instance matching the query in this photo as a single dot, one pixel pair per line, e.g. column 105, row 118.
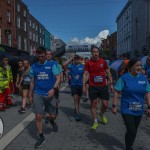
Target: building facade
column 124, row 28
column 21, row 26
column 133, row 28
column 47, row 40
column 19, row 29
column 110, row 44
column 7, row 24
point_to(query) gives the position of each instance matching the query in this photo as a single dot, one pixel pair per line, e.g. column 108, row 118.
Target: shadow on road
column 107, row 141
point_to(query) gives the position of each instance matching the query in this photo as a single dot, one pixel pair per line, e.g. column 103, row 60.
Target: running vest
column 43, row 78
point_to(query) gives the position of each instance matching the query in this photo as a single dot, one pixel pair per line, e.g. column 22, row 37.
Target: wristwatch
column 114, row 106
column 54, row 88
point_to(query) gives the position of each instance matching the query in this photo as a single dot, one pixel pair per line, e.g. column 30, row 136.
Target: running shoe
column 54, row 125
column 21, row 110
column 86, row 99
column 95, row 125
column 77, row 117
column 40, row 141
column 46, row 120
column 104, row 119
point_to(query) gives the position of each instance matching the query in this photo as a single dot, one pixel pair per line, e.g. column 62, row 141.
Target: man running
column 96, row 69
column 43, row 87
column 76, row 73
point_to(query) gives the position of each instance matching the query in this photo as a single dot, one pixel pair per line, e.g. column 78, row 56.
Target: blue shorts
column 76, row 90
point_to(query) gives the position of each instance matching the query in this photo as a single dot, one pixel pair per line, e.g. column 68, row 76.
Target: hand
column 148, row 112
column 111, row 88
column 114, row 110
column 51, row 93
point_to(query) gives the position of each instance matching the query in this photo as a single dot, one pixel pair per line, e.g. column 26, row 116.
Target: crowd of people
column 39, row 85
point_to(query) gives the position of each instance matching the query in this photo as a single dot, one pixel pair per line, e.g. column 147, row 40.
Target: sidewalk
column 74, row 135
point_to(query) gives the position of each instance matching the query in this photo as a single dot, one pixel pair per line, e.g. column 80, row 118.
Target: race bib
column 135, row 106
column 76, row 77
column 27, row 80
column 98, row 79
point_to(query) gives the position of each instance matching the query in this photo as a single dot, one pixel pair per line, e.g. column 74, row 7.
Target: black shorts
column 99, row 92
column 24, row 86
column 76, row 90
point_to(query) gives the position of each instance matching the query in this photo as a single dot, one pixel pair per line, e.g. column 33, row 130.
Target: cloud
column 88, row 40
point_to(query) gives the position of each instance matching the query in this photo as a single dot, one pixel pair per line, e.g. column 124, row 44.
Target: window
column 36, row 28
column 18, row 8
column 36, row 38
column 18, row 22
column 24, row 13
column 30, row 35
column 25, row 26
column 19, row 42
column 33, row 36
column 43, row 32
column 30, row 23
column 8, row 16
column 40, row 41
column 25, row 44
column 9, row 39
column 43, row 41
column 33, row 25
column 0, row 36
column 40, row 30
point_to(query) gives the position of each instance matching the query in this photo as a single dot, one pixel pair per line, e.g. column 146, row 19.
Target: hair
column 86, row 58
column 93, row 46
column 41, row 50
column 49, row 51
column 132, row 61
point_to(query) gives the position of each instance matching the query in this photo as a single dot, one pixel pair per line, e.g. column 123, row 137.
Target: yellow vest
column 9, row 74
column 3, row 80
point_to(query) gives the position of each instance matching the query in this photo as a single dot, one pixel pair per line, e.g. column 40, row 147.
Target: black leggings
column 131, row 122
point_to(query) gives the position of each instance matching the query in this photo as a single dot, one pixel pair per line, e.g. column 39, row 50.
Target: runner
column 96, row 69
column 19, row 75
column 86, row 59
column 134, row 87
column 25, row 83
column 49, row 58
column 43, row 87
column 76, row 73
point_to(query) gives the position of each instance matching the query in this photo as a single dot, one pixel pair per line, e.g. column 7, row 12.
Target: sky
column 77, row 21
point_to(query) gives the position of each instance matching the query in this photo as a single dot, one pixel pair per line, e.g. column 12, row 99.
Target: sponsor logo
column 141, row 82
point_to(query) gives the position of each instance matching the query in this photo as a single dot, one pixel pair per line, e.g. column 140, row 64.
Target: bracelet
column 148, row 107
column 114, row 106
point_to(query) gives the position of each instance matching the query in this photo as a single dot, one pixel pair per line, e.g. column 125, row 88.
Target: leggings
column 131, row 122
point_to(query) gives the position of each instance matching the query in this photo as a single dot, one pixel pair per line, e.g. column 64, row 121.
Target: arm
column 110, row 79
column 67, row 62
column 115, row 102
column 31, row 87
column 85, row 78
column 17, row 80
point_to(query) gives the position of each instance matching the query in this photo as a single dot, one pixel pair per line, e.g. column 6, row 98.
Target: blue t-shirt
column 57, row 65
column 76, row 73
column 43, row 75
column 133, row 91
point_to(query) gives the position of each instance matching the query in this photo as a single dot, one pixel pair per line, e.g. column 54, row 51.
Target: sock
column 41, row 134
column 95, row 120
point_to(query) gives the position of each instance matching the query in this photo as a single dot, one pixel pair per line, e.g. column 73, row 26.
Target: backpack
column 123, row 67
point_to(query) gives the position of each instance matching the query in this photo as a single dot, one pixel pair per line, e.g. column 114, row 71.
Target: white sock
column 95, row 121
